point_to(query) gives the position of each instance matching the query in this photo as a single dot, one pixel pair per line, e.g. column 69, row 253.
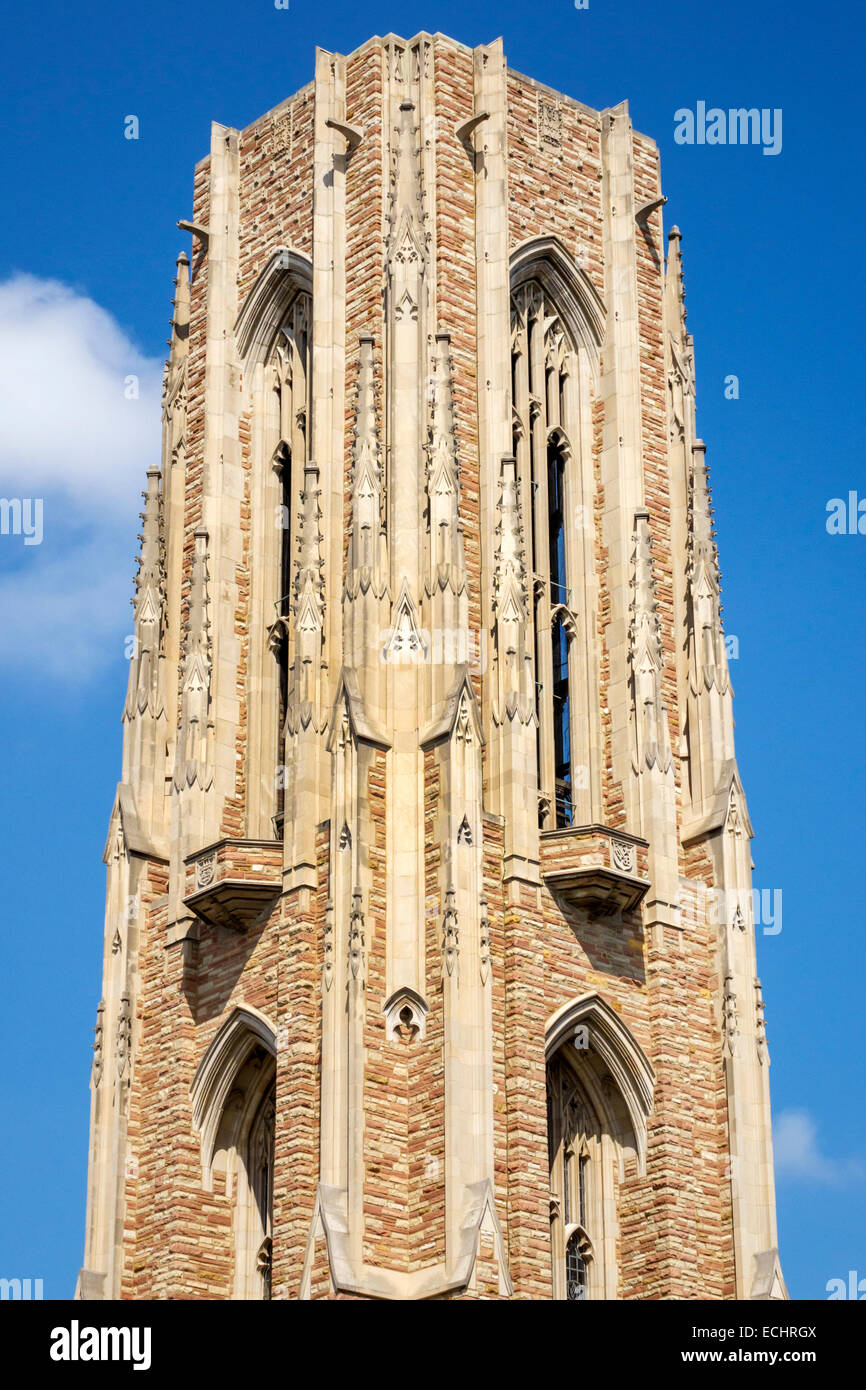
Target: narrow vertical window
column 576, row 1202
column 292, row 376
column 559, row 636
column 575, row 1269
column 261, row 1173
column 541, row 362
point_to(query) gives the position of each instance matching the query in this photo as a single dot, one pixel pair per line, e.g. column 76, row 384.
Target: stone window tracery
column 543, row 360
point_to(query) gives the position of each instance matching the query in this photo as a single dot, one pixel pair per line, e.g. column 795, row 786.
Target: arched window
column 576, row 1183
column 273, row 339
column 260, row 1177
column 599, row 1093
column 557, row 328
column 542, row 361
column 289, row 426
column 234, row 1107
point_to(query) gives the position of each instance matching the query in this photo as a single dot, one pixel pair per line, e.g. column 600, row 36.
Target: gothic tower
column 429, row 950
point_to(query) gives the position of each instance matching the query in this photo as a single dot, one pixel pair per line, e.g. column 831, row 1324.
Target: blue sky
column 775, row 291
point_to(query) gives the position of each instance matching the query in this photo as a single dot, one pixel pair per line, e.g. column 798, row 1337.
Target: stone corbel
column 464, row 130
column 350, row 133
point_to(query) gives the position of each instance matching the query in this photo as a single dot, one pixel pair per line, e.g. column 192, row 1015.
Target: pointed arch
column 546, row 260
column 599, row 1093
column 273, row 335
column 212, row 1086
column 612, row 1049
column 557, row 327
column 286, row 274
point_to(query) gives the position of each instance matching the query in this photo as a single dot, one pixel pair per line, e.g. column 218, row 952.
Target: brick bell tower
column 429, row 949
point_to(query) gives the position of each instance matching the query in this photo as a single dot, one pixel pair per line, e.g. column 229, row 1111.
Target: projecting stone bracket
column 595, row 868
column 233, row 882
column 464, row 130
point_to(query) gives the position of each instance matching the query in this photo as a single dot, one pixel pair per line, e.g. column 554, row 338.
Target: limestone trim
column 135, row 840
column 370, row 1281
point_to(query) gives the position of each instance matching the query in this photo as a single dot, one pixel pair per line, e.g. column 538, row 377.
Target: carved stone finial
column 729, row 1015
column 193, row 745
column 148, row 606
column 484, row 943
column 450, row 933
column 710, row 665
column 96, row 1073
column 446, row 564
column 365, row 569
column 357, row 962
column 328, row 947
column 647, row 657
column 515, row 697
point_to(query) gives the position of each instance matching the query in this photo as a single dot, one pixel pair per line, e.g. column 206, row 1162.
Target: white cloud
column 797, row 1152
column 72, row 436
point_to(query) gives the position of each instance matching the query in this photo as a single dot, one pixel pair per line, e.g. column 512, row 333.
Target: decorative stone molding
column 450, row 933
column 618, row 1051
column 405, row 1016
column 123, row 1040
column 96, row 1073
column 232, row 883
column 730, row 1021
column 328, row 947
column 623, row 856
column 357, row 958
column 244, row 1030
column 594, row 868
column 484, row 943
column 760, row 1024
column 549, row 124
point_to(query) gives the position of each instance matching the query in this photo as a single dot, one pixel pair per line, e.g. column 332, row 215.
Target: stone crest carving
column 622, row 856
column 549, row 124
column 205, row 870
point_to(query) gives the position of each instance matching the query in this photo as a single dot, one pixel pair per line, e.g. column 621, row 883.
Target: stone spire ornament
column 308, row 608
column 367, row 560
column 193, row 766
column 709, row 666
column 652, row 736
column 510, row 604
column 144, row 675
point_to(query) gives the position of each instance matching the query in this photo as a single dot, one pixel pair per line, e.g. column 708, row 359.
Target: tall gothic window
column 576, row 1183
column 260, row 1175
column 291, row 380
column 542, row 359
